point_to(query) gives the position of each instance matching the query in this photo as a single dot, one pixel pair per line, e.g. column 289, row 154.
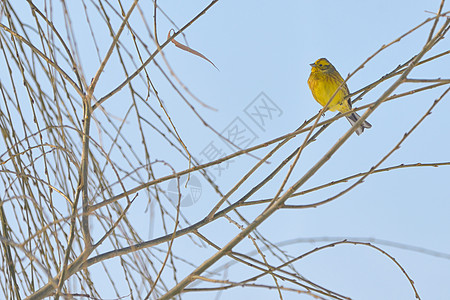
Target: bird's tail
column 355, row 117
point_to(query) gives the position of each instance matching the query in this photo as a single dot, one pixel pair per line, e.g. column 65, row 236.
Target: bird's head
column 321, row 65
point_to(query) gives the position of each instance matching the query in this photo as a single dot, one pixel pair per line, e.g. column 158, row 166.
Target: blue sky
column 263, row 50
column 262, row 46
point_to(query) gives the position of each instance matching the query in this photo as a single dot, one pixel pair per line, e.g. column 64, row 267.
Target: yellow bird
column 323, row 83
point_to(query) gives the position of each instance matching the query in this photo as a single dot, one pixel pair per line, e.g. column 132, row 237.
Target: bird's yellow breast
column 323, row 86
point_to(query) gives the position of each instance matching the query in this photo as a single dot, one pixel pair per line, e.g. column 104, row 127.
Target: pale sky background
column 262, row 46
column 266, row 47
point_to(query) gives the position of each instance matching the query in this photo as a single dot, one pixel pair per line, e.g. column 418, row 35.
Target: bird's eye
column 320, row 65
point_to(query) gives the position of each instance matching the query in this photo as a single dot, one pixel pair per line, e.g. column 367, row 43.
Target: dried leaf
column 190, row 50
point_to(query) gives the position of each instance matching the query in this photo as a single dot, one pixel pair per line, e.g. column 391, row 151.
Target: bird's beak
column 313, row 65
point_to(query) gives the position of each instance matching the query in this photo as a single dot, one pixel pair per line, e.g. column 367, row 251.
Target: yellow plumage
column 323, row 82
